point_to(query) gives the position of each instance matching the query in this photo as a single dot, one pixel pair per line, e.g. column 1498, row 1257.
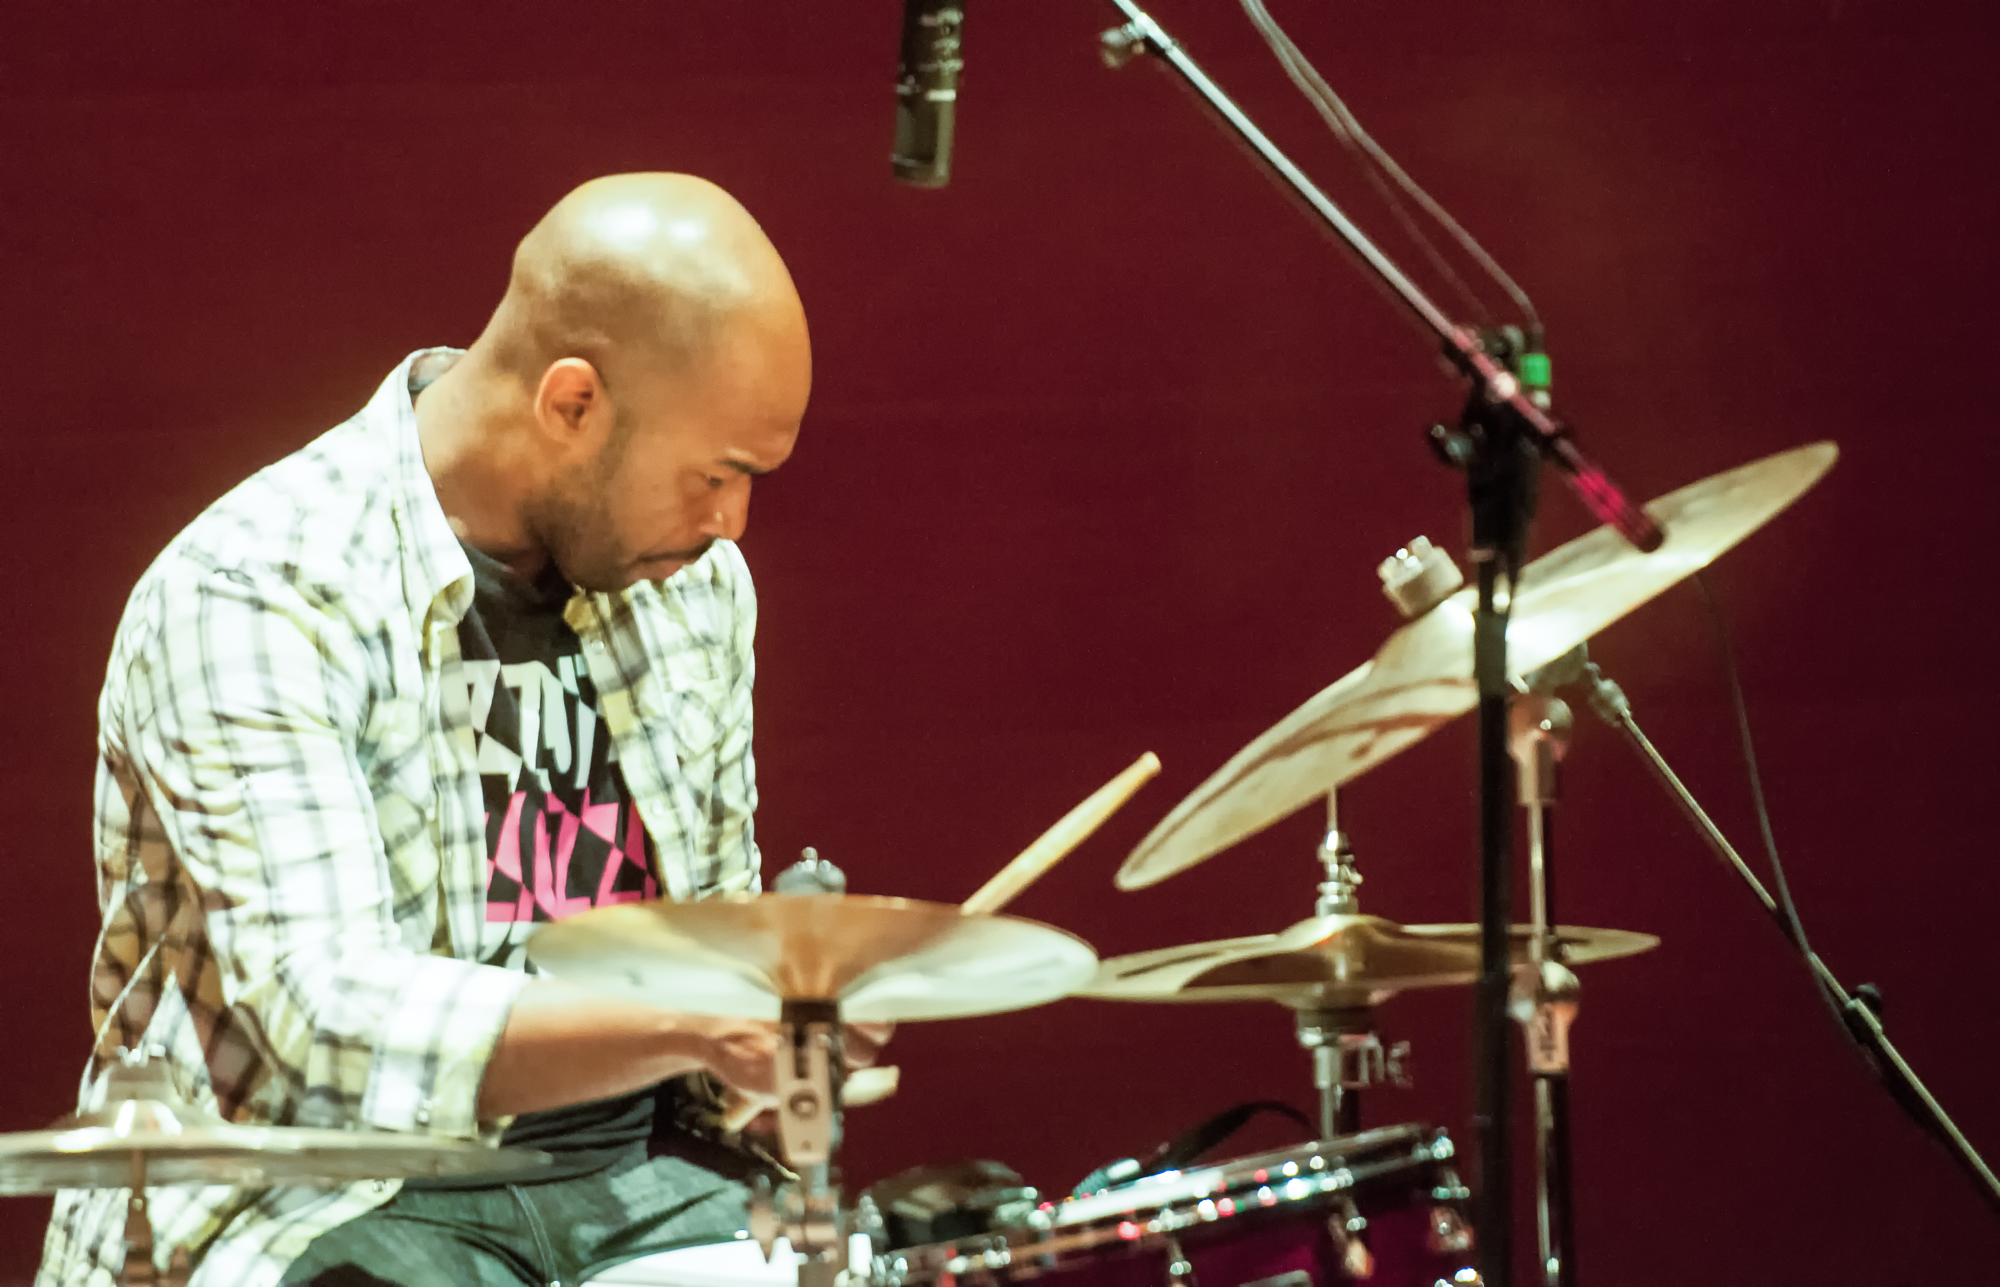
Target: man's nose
column 730, row 513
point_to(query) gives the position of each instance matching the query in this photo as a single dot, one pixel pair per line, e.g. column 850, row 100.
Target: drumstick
column 1052, row 845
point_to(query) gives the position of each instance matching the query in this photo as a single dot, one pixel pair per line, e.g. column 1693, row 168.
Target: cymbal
column 1330, row 962
column 879, row 958
column 1422, row 676
column 142, row 1117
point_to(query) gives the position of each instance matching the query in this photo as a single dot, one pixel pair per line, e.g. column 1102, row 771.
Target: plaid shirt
column 291, row 837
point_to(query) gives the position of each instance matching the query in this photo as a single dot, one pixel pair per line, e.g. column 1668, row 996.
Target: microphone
column 927, row 91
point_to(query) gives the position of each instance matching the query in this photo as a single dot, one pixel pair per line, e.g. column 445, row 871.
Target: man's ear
column 571, row 405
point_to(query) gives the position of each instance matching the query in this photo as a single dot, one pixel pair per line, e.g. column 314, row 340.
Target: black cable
column 1859, row 1016
column 1795, row 927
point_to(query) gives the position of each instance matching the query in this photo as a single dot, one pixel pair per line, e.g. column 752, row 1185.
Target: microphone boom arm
column 1461, row 346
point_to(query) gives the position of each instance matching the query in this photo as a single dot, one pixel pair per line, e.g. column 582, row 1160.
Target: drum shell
column 1254, row 1239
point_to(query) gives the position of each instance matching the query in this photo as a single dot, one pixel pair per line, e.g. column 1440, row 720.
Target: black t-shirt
column 561, row 833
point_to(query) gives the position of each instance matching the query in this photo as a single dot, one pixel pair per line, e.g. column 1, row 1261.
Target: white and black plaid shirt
column 291, row 838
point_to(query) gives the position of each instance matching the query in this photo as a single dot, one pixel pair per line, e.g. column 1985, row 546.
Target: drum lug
column 1347, row 1225
column 1447, row 1231
column 1397, row 1066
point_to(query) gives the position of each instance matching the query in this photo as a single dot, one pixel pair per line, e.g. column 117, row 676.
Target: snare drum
column 1383, row 1206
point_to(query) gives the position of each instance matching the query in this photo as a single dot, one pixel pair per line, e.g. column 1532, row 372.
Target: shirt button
column 424, row 1113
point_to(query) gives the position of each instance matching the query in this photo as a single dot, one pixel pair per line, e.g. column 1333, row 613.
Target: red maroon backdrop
column 1106, row 443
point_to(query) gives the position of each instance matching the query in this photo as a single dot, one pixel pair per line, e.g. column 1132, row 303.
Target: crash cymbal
column 178, row 1143
column 1329, row 962
column 880, row 958
column 1422, row 676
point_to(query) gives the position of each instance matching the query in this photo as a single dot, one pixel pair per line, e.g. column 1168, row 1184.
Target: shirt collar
column 437, row 578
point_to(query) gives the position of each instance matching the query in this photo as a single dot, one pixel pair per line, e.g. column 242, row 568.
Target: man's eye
column 713, row 482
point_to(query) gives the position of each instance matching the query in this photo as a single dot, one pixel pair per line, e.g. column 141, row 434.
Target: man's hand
column 751, row 1084
column 565, row 1045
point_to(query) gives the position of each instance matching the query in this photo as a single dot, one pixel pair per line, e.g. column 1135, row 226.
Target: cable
column 1376, row 162
column 1727, row 648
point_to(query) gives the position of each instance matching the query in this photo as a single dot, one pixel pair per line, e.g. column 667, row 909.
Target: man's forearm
column 568, row 1045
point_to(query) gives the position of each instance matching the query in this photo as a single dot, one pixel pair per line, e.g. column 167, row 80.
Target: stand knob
column 1419, row 577
column 811, row 874
column 1120, row 45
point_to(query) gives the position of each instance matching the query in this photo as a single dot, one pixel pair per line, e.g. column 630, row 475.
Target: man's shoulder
column 322, row 520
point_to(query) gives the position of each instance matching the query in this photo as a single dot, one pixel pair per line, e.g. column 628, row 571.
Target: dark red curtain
column 1106, row 443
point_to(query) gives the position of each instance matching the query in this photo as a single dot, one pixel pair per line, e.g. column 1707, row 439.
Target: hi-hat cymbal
column 879, row 958
column 1422, row 676
column 178, row 1143
column 1331, row 962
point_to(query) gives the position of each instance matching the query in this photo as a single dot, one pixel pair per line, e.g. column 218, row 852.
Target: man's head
column 649, row 359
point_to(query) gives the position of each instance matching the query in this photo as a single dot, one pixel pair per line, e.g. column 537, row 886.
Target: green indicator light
column 1535, row 370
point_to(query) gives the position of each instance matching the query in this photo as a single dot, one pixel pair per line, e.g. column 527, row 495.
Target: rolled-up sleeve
column 244, row 730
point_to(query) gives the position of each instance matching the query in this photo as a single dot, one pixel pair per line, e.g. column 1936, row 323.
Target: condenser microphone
column 927, row 91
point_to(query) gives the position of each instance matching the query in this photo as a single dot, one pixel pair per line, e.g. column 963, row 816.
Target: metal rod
column 1555, row 1221
column 139, row 1268
column 1599, row 494
column 1859, row 1019
column 1491, row 1026
column 1547, row 1004
column 1554, row 1206
column 1347, row 1113
column 1541, row 917
column 1326, row 1074
column 1166, row 47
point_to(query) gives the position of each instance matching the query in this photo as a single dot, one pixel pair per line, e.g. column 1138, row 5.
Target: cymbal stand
column 1860, row 1015
column 806, row 1212
column 140, row 1271
column 1545, row 996
column 1347, row 1054
column 1505, row 433
column 131, row 1078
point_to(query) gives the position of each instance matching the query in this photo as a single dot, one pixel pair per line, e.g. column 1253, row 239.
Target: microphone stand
column 1503, row 435
column 1860, row 1015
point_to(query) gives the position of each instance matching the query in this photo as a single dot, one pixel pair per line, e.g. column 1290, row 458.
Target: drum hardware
column 812, row 961
column 1348, row 1058
column 1418, row 577
column 1289, row 1218
column 1346, row 1225
column 806, row 1212
column 1421, row 676
column 1424, row 675
column 1546, row 995
column 1347, row 1055
column 938, row 1203
column 1860, row 1010
column 1180, row 1271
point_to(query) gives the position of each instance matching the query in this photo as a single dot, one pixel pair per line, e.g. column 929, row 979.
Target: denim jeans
column 528, row 1235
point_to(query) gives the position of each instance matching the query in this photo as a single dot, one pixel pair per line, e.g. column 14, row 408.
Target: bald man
column 477, row 659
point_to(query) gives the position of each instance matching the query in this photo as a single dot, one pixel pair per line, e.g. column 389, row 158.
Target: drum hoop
column 1211, row 1196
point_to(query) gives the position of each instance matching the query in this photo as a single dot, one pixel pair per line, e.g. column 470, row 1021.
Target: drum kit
column 1382, row 1204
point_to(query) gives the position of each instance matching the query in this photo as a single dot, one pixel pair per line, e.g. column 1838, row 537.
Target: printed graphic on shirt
column 561, row 834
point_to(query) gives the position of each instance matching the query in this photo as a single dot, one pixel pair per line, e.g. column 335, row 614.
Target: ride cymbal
column 1422, row 676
